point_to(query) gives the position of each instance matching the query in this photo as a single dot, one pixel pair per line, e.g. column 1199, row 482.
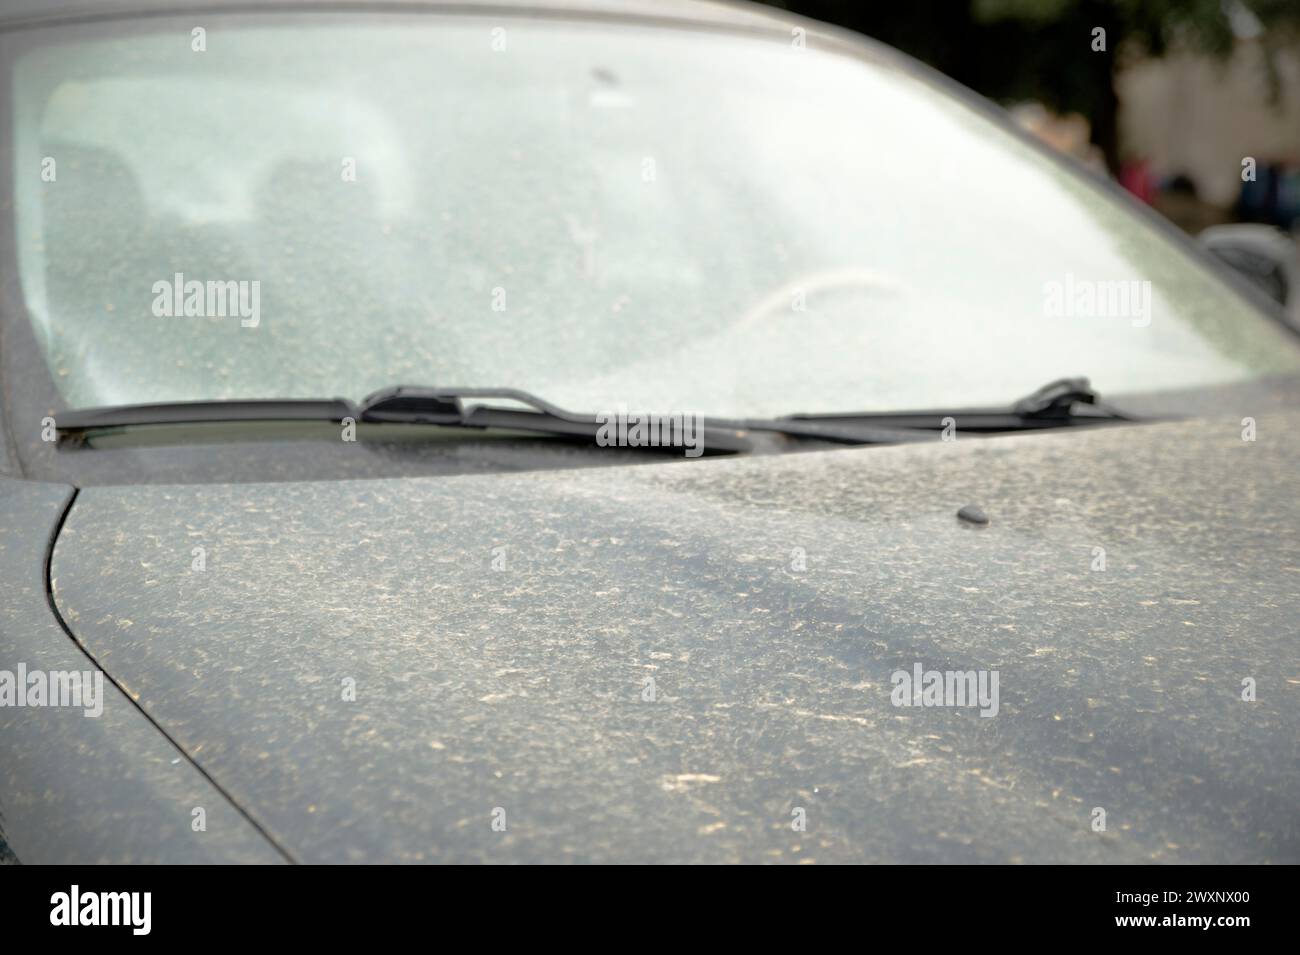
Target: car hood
column 697, row 661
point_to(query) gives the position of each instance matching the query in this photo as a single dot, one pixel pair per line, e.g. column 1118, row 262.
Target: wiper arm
column 1057, row 399
column 1054, row 405
column 409, row 403
column 442, row 405
column 412, row 404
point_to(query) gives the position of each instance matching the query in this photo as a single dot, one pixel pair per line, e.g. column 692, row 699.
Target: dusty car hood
column 500, row 631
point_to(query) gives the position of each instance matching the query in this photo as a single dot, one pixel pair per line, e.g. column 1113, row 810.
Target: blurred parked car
column 1265, row 256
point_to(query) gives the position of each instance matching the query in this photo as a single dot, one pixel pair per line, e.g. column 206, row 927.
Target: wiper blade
column 402, row 404
column 81, row 420
column 1056, row 404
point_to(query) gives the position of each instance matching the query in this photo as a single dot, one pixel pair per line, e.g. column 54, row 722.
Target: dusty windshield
column 605, row 215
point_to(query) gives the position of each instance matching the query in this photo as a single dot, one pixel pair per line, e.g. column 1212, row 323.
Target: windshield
column 606, row 215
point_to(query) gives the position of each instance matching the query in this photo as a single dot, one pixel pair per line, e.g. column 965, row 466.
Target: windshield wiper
column 401, row 404
column 1066, row 402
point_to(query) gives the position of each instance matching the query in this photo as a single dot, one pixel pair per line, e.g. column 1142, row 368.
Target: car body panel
column 77, row 788
column 500, row 630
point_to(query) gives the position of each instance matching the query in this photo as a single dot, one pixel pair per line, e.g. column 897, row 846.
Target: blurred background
column 1193, row 105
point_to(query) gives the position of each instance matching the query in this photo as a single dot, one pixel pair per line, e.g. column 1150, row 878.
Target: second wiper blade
column 1051, row 406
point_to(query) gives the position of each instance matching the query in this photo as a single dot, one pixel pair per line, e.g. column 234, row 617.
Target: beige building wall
column 1199, row 116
